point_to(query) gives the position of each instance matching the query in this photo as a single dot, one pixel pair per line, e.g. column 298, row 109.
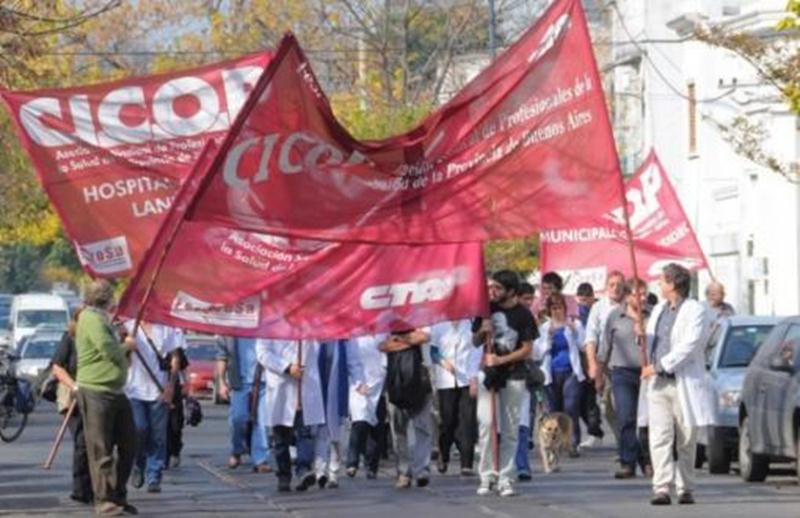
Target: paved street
column 202, row 486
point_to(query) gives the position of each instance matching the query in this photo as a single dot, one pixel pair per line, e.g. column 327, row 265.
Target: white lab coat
column 373, row 362
column 686, row 359
column 544, row 345
column 355, row 377
column 455, row 345
column 276, row 356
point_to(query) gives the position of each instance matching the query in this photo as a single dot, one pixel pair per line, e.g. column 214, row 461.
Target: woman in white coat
column 679, row 395
column 294, row 404
column 559, row 345
column 367, row 407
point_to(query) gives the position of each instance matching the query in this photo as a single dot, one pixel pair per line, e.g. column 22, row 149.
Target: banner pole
column 60, row 435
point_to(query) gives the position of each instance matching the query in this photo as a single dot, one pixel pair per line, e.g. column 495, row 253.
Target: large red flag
column 661, row 234
column 516, row 151
column 111, row 156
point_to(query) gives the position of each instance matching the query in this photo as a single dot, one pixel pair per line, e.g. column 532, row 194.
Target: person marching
column 339, row 366
column 294, row 405
column 106, row 412
column 367, row 407
column 510, row 331
column 457, row 364
column 151, row 399
column 679, row 394
column 241, row 381
column 175, row 420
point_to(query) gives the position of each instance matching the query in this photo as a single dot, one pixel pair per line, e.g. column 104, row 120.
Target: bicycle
column 16, row 400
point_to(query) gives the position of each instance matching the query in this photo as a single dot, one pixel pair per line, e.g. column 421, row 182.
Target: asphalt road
column 203, row 486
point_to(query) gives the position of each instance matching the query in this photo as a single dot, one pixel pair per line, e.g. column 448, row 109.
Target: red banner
column 229, row 281
column 111, row 156
column 661, row 231
column 514, row 152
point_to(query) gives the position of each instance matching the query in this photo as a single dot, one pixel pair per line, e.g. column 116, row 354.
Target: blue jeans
column 565, row 394
column 522, row 460
column 150, row 419
column 238, row 414
column 625, row 387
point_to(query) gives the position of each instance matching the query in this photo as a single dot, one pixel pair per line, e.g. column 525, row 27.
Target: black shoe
column 306, row 482
column 284, row 486
column 372, row 475
column 441, row 466
column 154, row 487
column 686, row 498
column 661, row 499
column 423, row 480
column 467, row 472
column 129, row 509
column 322, row 482
column 574, row 453
column 524, row 477
column 137, row 478
column 624, row 473
column 80, row 499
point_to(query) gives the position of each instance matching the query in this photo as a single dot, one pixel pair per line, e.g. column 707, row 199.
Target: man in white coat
column 294, row 405
column 339, row 366
column 680, row 399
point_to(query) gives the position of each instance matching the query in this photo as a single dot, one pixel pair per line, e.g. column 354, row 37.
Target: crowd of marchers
column 538, row 368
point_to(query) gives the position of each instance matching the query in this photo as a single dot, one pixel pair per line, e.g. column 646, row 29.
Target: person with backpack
column 408, row 388
column 150, row 388
column 295, row 407
column 507, row 336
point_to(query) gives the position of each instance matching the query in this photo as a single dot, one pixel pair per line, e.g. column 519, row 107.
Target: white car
column 32, row 310
column 36, row 354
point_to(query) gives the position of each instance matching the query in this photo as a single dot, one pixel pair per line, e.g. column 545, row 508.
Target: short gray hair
column 98, row 293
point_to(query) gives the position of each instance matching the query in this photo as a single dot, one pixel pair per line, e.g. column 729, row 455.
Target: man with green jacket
column 107, row 415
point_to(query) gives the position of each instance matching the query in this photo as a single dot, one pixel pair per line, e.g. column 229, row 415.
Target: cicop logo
column 643, row 199
column 432, row 289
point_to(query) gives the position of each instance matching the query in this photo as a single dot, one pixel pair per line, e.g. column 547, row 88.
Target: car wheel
column 753, row 466
column 719, row 456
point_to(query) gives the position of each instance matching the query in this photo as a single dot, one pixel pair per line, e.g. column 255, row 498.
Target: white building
column 746, row 216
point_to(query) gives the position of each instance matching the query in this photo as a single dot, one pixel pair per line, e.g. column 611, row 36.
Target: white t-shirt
column 596, row 323
column 165, row 339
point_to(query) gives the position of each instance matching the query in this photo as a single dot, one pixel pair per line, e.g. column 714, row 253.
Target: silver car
column 36, row 354
column 729, row 350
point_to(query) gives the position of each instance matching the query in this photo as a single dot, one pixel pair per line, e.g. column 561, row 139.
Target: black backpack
column 408, row 383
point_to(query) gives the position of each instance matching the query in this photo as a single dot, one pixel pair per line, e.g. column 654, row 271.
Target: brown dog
column 555, row 438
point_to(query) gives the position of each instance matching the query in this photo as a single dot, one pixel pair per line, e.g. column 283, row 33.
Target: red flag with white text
column 111, row 156
column 661, row 234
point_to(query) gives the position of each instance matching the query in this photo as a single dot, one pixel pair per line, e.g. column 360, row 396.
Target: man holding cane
column 509, row 335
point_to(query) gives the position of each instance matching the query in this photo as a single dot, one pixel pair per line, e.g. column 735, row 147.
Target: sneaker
column 591, row 442
column 322, row 481
column 264, row 467
column 524, row 476
column 234, row 461
column 154, row 487
column 351, row 471
column 403, row 482
column 661, row 499
column 485, row 489
column 306, row 482
column 686, row 498
column 109, row 509
column 174, row 461
column 137, row 478
column 625, row 472
column 506, row 490
column 372, row 475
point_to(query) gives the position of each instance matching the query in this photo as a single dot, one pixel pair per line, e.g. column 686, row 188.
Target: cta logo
column 432, row 289
column 106, row 257
column 243, row 314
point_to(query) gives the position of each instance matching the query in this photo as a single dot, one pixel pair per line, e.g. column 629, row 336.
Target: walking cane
column 60, row 436
column 493, row 408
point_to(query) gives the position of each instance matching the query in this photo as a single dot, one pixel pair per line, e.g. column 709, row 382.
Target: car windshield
column 36, row 317
column 741, row 345
column 39, row 349
column 201, row 351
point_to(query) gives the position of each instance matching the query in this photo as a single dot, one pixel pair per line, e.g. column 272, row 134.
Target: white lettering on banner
column 105, row 257
column 122, row 188
column 414, row 292
column 644, row 200
column 164, row 123
column 675, row 235
column 580, row 235
column 553, row 33
column 244, row 314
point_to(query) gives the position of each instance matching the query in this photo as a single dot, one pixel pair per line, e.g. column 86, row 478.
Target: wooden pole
column 60, row 435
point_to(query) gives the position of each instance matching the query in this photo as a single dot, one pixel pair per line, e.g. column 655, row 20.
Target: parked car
column 34, row 309
column 201, row 351
column 729, row 350
column 37, row 352
column 769, row 413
